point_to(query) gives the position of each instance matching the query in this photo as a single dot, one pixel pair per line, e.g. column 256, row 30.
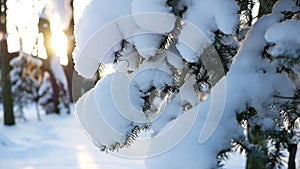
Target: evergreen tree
column 64, row 100
column 46, row 94
column 283, row 110
column 26, row 77
column 18, row 65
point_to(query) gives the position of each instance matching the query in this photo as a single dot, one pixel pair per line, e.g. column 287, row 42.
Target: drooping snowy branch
column 168, row 69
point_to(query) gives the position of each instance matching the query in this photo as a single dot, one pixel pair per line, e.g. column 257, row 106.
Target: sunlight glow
column 59, row 41
column 13, row 42
column 29, row 168
column 22, row 23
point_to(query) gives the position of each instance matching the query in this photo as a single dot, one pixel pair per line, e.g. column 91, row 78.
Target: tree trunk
column 257, row 160
column 69, row 69
column 38, row 111
column 292, row 148
column 9, row 118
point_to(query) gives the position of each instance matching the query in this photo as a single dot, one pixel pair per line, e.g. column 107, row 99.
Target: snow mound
column 203, row 18
column 154, row 15
column 146, row 44
column 283, row 37
column 285, row 5
column 108, row 29
column 97, row 112
column 5, row 141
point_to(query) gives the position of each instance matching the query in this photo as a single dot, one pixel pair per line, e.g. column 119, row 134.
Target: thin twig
column 286, row 97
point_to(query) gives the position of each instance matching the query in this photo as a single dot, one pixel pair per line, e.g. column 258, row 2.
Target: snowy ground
column 55, row 143
column 58, row 142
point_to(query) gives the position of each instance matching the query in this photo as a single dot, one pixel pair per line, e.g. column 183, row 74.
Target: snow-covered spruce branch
column 286, row 97
column 118, row 56
column 242, row 145
column 290, row 14
column 170, row 40
column 225, row 50
column 130, row 138
column 204, row 79
column 223, row 156
column 149, row 95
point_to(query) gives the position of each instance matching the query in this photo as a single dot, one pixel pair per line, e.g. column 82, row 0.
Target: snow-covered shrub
column 46, row 94
column 26, row 77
